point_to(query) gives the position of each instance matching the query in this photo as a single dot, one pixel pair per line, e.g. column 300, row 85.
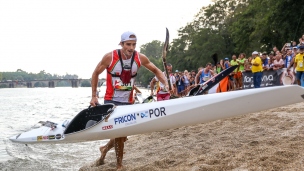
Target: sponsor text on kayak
column 107, row 127
column 157, row 112
column 128, row 119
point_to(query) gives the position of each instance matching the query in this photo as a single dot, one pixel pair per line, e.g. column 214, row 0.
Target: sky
column 71, row 36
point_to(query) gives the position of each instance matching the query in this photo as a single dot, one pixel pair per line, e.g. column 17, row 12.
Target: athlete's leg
column 119, row 147
column 104, row 150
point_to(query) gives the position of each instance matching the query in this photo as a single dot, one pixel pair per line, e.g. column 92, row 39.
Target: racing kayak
column 204, row 87
column 110, row 121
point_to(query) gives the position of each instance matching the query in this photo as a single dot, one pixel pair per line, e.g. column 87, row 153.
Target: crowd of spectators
column 291, row 53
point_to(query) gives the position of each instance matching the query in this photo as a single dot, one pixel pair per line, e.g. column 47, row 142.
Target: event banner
column 269, row 78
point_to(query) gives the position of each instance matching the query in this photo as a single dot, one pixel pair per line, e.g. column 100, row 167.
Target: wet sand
column 267, row 140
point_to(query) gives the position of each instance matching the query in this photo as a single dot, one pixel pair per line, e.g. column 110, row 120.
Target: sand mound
column 267, row 140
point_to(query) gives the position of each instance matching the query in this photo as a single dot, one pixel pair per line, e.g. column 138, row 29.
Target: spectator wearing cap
column 299, row 65
column 264, row 60
column 256, row 69
column 294, row 51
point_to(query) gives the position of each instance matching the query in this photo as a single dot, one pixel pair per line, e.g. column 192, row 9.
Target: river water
column 22, row 108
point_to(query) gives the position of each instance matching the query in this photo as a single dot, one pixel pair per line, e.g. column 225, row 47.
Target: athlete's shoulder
column 200, row 71
column 141, row 55
column 143, row 58
column 107, row 58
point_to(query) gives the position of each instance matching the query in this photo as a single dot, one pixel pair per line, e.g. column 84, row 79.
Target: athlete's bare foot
column 100, row 161
column 120, row 168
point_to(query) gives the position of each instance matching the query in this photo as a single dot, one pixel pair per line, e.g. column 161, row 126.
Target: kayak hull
column 158, row 116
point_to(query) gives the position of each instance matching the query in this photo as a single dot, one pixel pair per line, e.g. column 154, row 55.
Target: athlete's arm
column 197, row 77
column 152, row 85
column 136, row 90
column 150, row 66
column 212, row 73
column 101, row 66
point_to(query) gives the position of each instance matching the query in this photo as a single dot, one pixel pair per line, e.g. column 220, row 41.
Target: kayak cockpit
column 89, row 117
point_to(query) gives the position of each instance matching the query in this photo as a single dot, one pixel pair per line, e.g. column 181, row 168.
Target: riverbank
column 267, row 140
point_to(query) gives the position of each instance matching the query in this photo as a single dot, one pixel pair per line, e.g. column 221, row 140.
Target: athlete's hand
column 166, row 88
column 94, row 101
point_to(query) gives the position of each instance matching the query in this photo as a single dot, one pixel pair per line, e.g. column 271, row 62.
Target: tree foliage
column 25, row 76
column 267, row 23
column 229, row 27
column 153, row 51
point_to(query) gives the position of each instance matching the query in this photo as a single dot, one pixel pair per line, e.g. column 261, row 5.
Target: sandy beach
column 266, row 140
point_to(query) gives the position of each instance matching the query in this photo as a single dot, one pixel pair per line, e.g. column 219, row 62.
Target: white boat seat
column 90, row 123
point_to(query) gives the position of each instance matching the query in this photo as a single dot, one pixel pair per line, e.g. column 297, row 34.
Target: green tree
column 264, row 24
column 207, row 34
column 153, row 51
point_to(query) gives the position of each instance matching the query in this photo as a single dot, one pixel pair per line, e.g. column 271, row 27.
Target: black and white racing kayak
column 110, row 121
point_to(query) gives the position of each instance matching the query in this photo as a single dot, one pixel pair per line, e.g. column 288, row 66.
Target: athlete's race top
column 121, row 77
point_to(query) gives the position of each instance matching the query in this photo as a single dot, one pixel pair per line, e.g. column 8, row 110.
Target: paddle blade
column 166, row 44
column 148, row 99
column 193, row 91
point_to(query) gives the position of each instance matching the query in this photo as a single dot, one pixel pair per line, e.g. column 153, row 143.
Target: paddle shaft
column 165, row 49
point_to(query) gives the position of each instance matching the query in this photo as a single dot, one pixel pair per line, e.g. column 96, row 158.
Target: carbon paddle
column 165, row 50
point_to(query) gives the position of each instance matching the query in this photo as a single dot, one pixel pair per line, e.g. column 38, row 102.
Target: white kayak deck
column 157, row 116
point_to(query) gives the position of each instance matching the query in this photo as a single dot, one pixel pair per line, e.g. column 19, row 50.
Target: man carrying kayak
column 121, row 66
